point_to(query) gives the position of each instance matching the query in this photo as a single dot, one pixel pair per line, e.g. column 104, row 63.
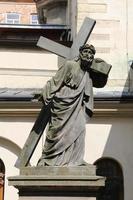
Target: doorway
column 2, row 179
column 114, row 187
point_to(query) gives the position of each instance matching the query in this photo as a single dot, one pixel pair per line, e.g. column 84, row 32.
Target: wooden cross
column 43, row 117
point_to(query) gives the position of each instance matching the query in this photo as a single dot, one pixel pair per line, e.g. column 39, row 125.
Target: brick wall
column 24, row 9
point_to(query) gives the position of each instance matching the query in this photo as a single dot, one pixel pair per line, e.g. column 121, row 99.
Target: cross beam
column 66, row 52
column 43, row 117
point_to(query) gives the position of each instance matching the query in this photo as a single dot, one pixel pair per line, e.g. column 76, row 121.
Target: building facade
column 24, row 69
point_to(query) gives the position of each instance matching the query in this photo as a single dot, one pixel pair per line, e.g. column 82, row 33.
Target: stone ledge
column 57, row 181
column 89, row 170
column 57, row 186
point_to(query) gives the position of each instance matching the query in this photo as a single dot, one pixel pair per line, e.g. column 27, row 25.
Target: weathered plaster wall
column 25, row 68
column 110, row 137
column 111, row 36
column 13, row 134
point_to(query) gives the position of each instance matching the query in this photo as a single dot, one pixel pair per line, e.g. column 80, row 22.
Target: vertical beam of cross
column 82, row 36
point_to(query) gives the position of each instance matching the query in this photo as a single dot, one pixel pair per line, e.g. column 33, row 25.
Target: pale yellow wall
column 26, row 68
column 29, row 59
column 14, row 131
column 112, row 137
column 105, row 137
column 130, row 38
column 112, row 36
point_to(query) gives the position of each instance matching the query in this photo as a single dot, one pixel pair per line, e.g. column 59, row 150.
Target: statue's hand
column 86, row 98
column 38, row 97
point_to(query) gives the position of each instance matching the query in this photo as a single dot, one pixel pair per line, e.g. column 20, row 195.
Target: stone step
column 87, row 170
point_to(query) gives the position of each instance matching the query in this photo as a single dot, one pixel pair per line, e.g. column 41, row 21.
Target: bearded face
column 86, row 57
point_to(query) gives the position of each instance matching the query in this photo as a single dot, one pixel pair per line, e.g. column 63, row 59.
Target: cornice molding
column 27, row 72
column 31, row 109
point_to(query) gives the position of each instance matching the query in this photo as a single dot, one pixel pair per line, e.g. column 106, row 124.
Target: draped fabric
column 65, row 137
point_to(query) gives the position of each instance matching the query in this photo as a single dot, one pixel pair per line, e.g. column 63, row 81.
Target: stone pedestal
column 57, row 183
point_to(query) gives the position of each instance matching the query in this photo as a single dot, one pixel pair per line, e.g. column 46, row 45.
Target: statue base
column 53, row 183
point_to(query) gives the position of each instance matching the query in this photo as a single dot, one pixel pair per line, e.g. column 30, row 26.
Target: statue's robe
column 70, row 92
column 65, row 136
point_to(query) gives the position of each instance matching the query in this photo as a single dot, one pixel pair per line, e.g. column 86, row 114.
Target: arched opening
column 11, row 146
column 2, row 179
column 114, row 187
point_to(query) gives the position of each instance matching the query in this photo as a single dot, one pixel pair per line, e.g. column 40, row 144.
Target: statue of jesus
column 70, row 95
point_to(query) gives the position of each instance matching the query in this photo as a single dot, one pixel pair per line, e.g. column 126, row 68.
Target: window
column 59, row 12
column 53, row 12
column 34, row 19
column 12, row 18
column 20, row 14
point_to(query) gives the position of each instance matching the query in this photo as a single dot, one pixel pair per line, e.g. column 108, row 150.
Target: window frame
column 71, row 12
column 12, row 13
column 14, row 35
column 31, row 20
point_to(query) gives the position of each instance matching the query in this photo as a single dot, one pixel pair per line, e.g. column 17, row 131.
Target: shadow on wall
column 119, row 142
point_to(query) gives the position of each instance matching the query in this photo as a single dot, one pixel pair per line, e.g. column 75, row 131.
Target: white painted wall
column 105, row 137
column 25, row 68
column 14, row 131
column 27, row 59
column 112, row 137
column 112, row 36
